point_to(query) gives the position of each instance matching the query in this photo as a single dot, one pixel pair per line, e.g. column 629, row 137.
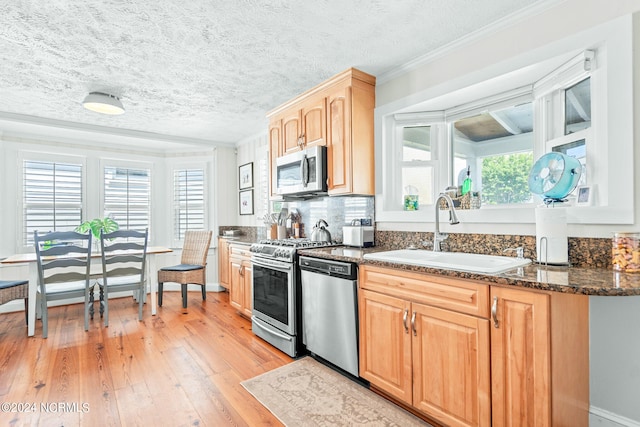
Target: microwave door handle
column 304, row 164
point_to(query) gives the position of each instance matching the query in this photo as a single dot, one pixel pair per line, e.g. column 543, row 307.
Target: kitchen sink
column 462, row 261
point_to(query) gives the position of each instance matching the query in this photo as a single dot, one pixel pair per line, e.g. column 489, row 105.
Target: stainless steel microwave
column 303, row 173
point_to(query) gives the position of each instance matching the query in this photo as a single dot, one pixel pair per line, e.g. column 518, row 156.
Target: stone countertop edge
column 570, row 280
column 240, row 240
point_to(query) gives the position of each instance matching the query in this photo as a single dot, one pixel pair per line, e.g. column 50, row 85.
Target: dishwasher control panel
column 345, row 270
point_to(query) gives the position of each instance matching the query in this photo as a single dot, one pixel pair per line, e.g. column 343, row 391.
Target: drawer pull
column 494, row 312
column 413, row 324
column 404, row 321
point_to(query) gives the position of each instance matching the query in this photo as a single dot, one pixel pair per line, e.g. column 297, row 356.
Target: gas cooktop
column 285, row 249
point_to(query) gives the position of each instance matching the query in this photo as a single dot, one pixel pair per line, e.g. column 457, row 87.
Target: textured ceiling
column 210, row 69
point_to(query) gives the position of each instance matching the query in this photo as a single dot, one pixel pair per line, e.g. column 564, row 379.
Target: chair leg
column 141, row 303
column 106, row 306
column 45, row 317
column 184, row 296
column 204, row 292
column 91, row 301
column 101, row 301
column 160, row 294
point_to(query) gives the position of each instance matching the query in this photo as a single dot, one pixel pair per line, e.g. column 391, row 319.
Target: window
column 496, row 148
column 127, row 194
column 52, row 197
column 188, row 201
column 577, row 107
column 416, row 169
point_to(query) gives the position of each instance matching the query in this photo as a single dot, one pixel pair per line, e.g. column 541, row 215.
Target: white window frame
column 204, row 166
column 25, row 155
column 389, row 205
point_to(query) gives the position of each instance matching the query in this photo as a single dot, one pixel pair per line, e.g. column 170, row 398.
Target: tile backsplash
column 337, row 211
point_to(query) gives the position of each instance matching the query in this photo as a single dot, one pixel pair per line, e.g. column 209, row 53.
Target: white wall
column 254, row 149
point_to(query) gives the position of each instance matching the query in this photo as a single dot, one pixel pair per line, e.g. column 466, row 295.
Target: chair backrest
column 124, row 253
column 62, row 256
column 196, row 247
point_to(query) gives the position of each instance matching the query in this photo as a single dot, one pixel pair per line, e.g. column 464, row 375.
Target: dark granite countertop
column 572, row 280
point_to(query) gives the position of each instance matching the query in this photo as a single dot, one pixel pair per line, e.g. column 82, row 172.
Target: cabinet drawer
column 463, row 296
column 239, row 250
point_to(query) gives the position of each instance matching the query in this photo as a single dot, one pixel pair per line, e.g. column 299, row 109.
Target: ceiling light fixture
column 103, row 103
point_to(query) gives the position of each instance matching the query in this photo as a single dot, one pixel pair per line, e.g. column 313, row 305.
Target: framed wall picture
column 246, row 202
column 245, row 176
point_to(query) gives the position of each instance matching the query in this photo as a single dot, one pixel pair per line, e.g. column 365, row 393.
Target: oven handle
column 284, row 337
column 275, row 265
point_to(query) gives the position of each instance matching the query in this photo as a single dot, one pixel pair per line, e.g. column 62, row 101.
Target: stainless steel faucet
column 439, row 237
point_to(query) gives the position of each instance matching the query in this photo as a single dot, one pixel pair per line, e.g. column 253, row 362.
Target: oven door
column 274, row 293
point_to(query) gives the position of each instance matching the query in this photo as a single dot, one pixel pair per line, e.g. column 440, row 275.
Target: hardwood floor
column 177, row 368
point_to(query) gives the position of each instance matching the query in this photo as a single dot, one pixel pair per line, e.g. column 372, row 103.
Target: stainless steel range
column 276, row 292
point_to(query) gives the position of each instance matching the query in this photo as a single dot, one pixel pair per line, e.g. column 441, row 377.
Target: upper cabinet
column 337, row 114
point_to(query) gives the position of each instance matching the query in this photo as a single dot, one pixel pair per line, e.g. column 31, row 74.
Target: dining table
column 31, row 260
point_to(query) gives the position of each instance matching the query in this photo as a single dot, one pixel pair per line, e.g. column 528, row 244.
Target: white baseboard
column 18, row 305
column 599, row 417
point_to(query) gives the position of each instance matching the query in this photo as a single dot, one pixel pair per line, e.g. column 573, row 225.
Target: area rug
column 307, row 393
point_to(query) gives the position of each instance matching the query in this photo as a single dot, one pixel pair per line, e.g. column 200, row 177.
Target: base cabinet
column 240, row 279
column 433, row 359
column 465, row 353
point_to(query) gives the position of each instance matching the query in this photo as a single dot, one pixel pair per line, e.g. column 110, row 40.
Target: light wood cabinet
column 350, row 144
column 275, row 151
column 337, row 114
column 539, row 358
column 467, row 353
column 240, row 279
column 433, row 359
column 223, row 262
column 303, row 125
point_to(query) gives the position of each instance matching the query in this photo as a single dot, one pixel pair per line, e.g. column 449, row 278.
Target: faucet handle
column 519, row 251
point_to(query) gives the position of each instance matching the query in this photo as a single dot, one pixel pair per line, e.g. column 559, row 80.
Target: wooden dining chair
column 15, row 289
column 64, row 266
column 124, row 254
column 193, row 265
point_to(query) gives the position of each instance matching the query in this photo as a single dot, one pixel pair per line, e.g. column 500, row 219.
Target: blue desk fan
column 553, row 176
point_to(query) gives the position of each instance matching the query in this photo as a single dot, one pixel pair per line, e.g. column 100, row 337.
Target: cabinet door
column 314, row 127
column 223, row 262
column 275, row 151
column 247, row 293
column 520, row 358
column 451, row 366
column 236, row 282
column 385, row 343
column 291, row 131
column 339, row 151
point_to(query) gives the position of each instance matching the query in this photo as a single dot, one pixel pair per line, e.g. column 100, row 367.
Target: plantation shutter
column 127, row 194
column 52, row 197
column 188, row 201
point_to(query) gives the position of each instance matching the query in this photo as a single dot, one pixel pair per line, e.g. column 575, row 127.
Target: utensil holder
column 273, row 232
column 282, row 232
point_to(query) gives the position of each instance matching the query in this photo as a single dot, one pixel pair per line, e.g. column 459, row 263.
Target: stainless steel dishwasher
column 330, row 311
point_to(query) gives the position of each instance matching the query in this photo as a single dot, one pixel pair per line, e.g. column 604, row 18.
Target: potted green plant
column 107, row 224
